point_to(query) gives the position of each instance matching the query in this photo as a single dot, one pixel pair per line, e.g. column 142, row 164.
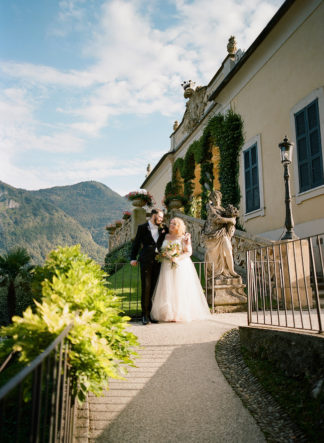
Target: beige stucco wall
column 156, row 182
column 286, row 67
column 291, row 73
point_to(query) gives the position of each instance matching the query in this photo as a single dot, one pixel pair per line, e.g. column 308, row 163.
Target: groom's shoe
column 152, row 320
column 145, row 320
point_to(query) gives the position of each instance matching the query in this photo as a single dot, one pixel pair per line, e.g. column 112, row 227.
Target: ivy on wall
column 189, row 165
column 226, row 132
column 177, row 169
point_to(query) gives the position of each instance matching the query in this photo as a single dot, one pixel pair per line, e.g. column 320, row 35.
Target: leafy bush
column 74, row 288
column 118, row 255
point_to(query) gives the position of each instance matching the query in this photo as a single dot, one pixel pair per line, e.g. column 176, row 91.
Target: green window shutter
column 251, row 177
column 309, row 148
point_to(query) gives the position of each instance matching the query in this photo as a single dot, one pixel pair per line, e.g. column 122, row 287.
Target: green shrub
column 74, row 288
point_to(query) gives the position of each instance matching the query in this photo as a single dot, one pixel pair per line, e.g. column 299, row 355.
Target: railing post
column 213, row 288
column 34, row 421
column 248, row 276
column 317, row 300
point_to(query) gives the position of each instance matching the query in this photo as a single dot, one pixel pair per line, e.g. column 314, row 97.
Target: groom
column 148, row 241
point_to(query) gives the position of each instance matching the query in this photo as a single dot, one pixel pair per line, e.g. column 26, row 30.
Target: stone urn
column 118, row 224
column 175, row 204
column 232, row 46
column 138, row 202
column 111, row 229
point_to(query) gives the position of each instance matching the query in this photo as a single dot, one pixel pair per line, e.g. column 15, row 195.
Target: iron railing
column 125, row 281
column 37, row 404
column 286, row 284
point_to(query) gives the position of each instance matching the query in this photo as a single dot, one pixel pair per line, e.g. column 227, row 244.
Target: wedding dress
column 178, row 294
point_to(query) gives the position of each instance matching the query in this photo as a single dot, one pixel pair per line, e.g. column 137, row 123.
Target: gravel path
column 177, row 393
column 273, row 421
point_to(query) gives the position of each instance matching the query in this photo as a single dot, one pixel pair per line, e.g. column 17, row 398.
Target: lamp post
column 286, row 149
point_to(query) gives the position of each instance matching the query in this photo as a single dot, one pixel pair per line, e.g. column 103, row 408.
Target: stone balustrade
column 242, row 241
column 120, row 236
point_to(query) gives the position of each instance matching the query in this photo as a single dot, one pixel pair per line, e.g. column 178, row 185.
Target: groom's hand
column 133, row 262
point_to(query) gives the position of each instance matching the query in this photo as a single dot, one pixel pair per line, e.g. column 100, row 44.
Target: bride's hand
column 187, row 238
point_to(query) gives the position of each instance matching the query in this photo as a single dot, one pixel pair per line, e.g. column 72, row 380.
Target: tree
column 15, row 270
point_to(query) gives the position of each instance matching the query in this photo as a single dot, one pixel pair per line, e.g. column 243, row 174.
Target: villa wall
column 291, row 70
column 282, row 74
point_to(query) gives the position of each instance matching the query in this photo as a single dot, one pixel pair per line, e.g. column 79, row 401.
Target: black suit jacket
column 145, row 243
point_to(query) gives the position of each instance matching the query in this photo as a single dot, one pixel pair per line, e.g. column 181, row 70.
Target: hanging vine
column 226, row 132
column 206, row 171
column 188, row 175
column 177, row 168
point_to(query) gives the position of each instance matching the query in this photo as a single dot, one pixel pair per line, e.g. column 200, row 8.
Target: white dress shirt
column 154, row 231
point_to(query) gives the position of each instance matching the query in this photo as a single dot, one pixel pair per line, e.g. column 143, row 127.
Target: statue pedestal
column 229, row 295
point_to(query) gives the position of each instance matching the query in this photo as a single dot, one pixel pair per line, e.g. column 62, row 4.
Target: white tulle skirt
column 178, row 295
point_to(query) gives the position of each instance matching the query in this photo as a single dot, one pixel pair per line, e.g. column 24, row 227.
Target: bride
column 178, row 295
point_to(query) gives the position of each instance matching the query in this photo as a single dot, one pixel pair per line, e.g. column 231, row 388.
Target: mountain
column 91, row 203
column 42, row 220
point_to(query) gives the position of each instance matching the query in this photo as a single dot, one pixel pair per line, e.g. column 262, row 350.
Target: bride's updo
column 181, row 227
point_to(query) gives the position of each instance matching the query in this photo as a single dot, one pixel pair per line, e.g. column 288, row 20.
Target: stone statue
column 175, row 125
column 218, row 231
column 148, row 170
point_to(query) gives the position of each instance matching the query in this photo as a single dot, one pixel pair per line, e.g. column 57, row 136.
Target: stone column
column 292, row 277
column 138, row 218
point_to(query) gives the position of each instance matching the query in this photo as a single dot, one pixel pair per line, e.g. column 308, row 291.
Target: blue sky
column 89, row 89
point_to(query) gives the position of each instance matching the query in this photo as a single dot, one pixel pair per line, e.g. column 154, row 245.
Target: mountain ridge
column 62, row 215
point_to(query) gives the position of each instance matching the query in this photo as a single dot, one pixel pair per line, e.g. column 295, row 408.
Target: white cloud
column 46, row 75
column 20, row 131
column 135, row 68
column 138, row 68
column 72, row 16
column 63, row 173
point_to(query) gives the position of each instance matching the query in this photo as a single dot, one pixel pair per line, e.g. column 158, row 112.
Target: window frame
column 302, row 104
column 256, row 140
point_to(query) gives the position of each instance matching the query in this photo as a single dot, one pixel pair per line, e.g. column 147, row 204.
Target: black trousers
column 149, row 275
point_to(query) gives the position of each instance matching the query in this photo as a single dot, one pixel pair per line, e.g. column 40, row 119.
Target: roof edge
column 275, row 19
column 164, row 156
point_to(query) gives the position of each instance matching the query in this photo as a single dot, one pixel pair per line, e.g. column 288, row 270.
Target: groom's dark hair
column 155, row 211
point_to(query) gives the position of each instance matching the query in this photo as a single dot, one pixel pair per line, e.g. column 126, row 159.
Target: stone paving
column 177, row 392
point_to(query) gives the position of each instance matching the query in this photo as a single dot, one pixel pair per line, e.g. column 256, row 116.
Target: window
column 251, row 178
column 309, row 149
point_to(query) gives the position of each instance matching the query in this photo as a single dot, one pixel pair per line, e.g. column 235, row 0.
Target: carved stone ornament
column 195, row 107
column 189, row 88
column 148, row 170
column 231, row 46
column 175, row 125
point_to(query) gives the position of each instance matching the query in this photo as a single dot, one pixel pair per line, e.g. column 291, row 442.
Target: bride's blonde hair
column 180, row 225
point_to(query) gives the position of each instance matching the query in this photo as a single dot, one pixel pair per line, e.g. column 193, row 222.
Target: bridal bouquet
column 169, row 252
